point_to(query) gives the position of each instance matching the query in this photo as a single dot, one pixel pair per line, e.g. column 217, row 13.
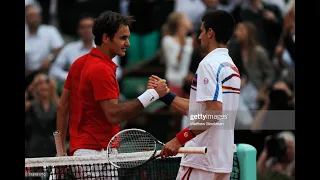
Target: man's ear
column 210, row 33
column 105, row 38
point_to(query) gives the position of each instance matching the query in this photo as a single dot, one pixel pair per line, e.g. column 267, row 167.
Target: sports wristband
column 184, row 136
column 148, row 97
column 167, row 99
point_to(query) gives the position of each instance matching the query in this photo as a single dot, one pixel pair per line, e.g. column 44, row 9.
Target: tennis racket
column 57, row 141
column 131, row 148
column 60, row 172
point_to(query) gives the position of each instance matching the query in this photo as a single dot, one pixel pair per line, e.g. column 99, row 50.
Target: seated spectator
column 268, row 21
column 73, row 50
column 256, row 70
column 177, row 50
column 277, row 157
column 43, row 44
column 41, row 117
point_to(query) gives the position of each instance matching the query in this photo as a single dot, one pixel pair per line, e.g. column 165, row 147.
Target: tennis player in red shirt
column 91, row 91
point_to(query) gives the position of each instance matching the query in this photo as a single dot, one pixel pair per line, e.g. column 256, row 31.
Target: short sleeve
column 56, row 38
column 104, row 85
column 68, row 80
column 208, row 86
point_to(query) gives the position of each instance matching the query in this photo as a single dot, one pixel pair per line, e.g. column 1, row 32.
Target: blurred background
column 57, row 32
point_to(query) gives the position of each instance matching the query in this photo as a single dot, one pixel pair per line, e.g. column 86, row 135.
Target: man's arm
column 213, row 108
column 62, row 115
column 181, row 105
column 178, row 103
column 117, row 113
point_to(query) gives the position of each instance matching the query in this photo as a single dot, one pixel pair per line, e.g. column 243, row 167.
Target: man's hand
column 152, row 83
column 171, row 148
column 64, row 154
column 159, row 85
column 162, row 88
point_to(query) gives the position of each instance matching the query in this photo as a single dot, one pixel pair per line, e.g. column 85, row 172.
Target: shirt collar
column 97, row 53
column 220, row 51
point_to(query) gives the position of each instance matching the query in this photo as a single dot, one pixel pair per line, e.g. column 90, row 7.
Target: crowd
column 166, row 32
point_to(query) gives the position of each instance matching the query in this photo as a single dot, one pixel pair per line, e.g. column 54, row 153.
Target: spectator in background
column 279, row 98
column 284, row 58
column 257, row 72
column 177, row 49
column 43, row 44
column 41, row 116
column 211, row 5
column 266, row 17
column 73, row 50
column 194, row 9
column 281, row 158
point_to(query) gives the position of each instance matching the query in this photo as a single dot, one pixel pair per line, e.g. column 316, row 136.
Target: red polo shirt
column 72, row 84
column 98, row 82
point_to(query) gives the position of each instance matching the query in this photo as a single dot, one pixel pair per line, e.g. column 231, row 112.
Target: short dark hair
column 109, row 22
column 221, row 22
column 83, row 16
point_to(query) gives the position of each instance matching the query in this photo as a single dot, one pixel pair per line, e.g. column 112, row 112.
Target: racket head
column 131, row 148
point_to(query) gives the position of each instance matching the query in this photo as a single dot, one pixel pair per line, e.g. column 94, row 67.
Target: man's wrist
column 168, row 99
column 184, row 136
column 148, row 97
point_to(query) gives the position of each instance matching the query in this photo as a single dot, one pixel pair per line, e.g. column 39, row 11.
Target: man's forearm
column 181, row 105
column 124, row 111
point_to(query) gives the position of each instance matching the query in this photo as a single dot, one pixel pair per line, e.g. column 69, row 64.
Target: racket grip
column 193, row 150
column 57, row 140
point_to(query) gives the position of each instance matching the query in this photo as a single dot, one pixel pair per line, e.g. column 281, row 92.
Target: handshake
column 159, row 85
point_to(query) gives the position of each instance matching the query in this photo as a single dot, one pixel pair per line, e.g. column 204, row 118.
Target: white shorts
column 188, row 173
column 96, row 170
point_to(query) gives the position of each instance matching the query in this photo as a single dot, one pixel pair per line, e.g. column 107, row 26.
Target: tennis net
column 98, row 168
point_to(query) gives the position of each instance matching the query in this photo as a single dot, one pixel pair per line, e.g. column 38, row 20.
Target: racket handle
column 57, row 140
column 193, row 150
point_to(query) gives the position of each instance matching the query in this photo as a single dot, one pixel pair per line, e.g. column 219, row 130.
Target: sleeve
column 56, row 69
column 209, row 86
column 68, row 81
column 104, row 85
column 56, row 38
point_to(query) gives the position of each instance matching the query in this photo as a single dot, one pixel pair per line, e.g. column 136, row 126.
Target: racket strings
column 131, row 148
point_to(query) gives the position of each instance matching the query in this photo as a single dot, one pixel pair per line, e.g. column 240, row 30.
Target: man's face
column 120, row 41
column 33, row 17
column 85, row 29
column 203, row 37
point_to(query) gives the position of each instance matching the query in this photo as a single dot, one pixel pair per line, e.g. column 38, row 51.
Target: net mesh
column 98, row 168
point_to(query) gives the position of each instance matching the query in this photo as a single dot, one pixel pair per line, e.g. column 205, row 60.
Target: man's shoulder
column 72, row 45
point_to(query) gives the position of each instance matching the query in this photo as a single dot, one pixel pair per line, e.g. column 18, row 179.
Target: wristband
column 167, row 99
column 184, row 136
column 148, row 97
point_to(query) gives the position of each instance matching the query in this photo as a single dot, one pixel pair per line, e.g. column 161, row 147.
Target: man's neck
column 87, row 44
column 33, row 29
column 215, row 46
column 106, row 52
